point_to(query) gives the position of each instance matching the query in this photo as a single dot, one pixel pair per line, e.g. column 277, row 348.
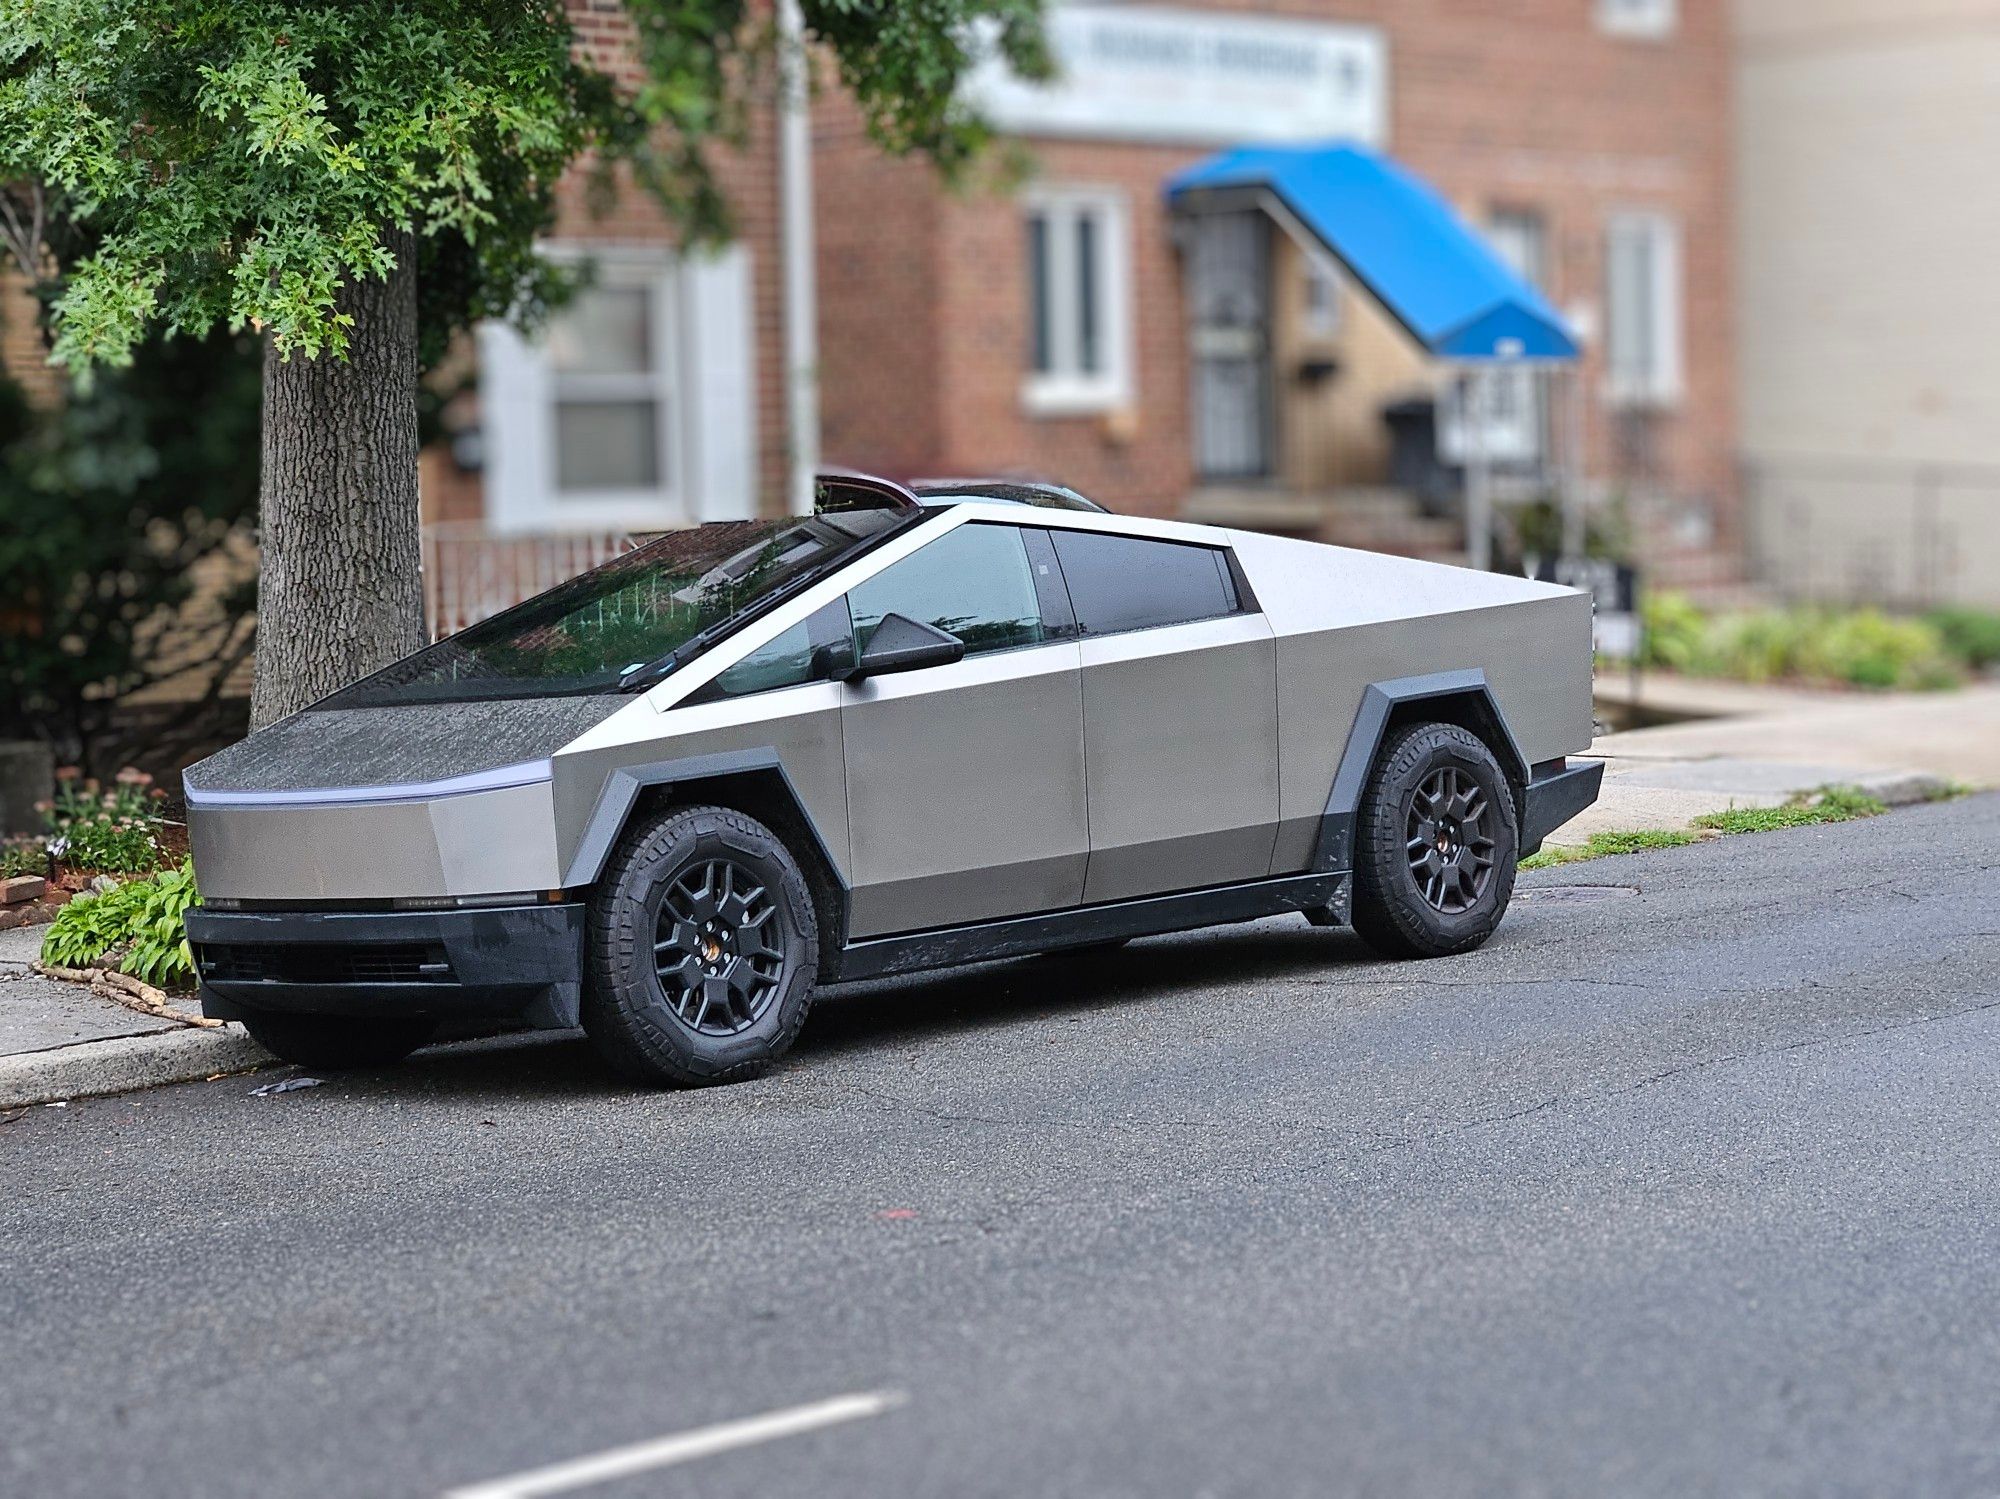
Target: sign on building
column 1141, row 72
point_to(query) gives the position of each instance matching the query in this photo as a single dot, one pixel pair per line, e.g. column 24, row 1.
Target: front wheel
column 703, row 949
column 332, row 1043
column 1435, row 845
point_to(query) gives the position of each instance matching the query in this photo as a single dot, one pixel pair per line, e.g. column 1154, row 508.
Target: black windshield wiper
column 648, row 673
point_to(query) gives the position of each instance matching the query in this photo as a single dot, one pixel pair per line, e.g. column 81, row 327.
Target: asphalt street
column 1687, row 1184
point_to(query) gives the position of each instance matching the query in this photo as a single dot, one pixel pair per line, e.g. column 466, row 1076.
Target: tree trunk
column 339, row 591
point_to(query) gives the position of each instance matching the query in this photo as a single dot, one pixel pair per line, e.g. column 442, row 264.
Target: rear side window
column 1122, row 583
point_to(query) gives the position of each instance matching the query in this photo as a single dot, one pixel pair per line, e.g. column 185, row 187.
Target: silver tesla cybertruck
column 919, row 727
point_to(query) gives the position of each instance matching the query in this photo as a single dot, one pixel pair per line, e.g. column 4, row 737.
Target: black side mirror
column 904, row 644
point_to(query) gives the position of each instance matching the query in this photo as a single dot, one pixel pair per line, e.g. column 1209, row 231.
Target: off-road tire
column 1392, row 912
column 627, row 1011
column 338, row 1043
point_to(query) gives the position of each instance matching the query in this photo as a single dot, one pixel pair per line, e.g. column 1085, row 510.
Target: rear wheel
column 331, row 1043
column 703, row 948
column 1435, row 844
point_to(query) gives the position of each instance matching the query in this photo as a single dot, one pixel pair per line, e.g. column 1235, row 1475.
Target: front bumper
column 500, row 962
column 1557, row 791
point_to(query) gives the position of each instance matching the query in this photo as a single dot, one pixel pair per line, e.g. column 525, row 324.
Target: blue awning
column 1400, row 239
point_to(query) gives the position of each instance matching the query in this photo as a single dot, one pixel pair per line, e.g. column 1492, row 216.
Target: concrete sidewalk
column 62, row 1041
column 1751, row 746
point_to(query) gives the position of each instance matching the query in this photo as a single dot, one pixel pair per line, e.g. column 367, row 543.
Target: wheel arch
column 1464, row 698
column 753, row 782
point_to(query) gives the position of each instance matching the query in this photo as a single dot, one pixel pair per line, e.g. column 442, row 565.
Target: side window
column 783, row 662
column 973, row 581
column 808, row 652
column 1122, row 583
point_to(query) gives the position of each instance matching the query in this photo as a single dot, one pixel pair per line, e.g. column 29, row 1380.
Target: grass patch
column 1809, row 809
column 1606, row 845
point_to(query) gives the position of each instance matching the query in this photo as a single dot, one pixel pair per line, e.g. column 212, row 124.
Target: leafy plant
column 144, row 918
column 157, row 929
column 1858, row 648
column 1809, row 809
column 1970, row 635
column 1869, row 649
column 106, row 829
column 1675, row 632
column 1607, row 845
column 85, row 929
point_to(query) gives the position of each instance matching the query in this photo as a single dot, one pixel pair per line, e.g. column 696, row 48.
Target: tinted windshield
column 633, row 621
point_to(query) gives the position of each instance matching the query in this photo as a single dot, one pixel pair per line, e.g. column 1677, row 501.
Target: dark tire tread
column 1389, row 914
column 621, row 1012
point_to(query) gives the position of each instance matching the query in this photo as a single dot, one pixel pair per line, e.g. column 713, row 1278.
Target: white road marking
column 682, row 1447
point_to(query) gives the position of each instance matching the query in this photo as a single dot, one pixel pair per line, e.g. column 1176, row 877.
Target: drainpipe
column 795, row 235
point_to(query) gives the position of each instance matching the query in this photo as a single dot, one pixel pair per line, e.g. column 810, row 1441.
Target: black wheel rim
column 718, row 947
column 1450, row 840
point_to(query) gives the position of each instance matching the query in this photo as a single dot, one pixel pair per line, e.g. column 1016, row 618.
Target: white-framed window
column 1638, row 18
column 1079, row 280
column 612, row 377
column 634, row 409
column 1642, row 310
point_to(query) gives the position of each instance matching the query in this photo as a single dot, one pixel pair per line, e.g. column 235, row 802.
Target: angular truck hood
column 407, row 749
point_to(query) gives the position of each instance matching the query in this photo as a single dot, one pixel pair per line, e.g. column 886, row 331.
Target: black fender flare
column 622, row 788
column 1334, row 849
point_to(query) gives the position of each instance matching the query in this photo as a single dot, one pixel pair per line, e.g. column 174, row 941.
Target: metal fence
column 469, row 573
column 1846, row 531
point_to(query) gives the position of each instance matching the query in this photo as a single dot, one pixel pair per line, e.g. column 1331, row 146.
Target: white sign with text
column 1149, row 73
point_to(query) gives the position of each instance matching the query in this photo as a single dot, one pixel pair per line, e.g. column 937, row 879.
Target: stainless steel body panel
column 1535, row 655
column 1181, row 756
column 965, row 790
column 471, row 843
column 801, row 725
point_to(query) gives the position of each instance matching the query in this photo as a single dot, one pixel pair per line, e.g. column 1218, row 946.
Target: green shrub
column 1861, row 648
column 107, row 830
column 1675, row 632
column 1971, row 636
column 143, row 918
column 1869, row 649
column 1765, row 646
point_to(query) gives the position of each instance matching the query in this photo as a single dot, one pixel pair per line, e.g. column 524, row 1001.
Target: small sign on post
column 1616, row 627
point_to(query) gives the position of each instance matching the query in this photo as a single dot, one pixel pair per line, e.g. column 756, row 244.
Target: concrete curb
column 125, row 1063
column 1904, row 788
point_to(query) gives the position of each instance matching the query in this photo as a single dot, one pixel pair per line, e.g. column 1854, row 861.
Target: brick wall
column 1526, row 105
column 749, row 178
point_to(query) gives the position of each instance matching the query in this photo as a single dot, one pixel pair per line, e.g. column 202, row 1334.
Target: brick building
column 1069, row 326
column 1053, row 317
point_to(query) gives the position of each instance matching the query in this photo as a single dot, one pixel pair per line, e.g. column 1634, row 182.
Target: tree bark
column 339, row 589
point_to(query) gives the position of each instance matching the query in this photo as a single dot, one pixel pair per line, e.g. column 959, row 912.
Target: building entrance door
column 1229, row 297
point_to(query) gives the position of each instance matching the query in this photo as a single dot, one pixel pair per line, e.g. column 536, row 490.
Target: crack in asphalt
column 1386, row 1141
column 1806, row 1044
